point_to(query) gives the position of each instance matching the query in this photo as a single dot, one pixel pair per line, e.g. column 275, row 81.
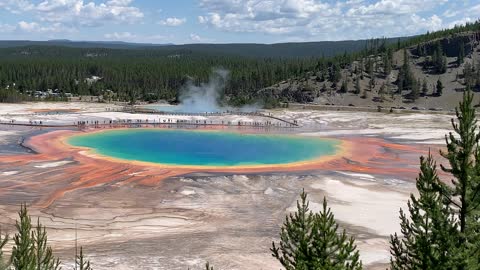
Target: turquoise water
column 204, row 148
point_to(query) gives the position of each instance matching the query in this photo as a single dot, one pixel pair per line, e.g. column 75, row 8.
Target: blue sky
column 228, row 21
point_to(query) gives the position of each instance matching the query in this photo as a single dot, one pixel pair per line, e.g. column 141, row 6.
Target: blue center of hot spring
column 204, row 148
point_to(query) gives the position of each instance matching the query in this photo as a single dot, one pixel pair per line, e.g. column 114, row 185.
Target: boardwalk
column 206, row 114
column 155, row 123
column 165, row 119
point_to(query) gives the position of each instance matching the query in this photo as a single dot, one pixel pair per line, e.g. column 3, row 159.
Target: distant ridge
column 78, row 44
column 283, row 50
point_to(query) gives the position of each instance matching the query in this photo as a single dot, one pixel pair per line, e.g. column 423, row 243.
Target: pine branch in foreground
column 81, row 263
column 428, row 230
column 463, row 155
column 312, row 241
column 3, row 241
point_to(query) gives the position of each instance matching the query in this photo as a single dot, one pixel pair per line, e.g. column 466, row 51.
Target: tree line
column 145, row 78
column 431, row 36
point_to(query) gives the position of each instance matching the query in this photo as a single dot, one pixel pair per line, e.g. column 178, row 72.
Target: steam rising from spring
column 206, row 96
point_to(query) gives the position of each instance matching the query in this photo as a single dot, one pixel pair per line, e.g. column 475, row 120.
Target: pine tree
column 463, row 154
column 461, row 53
column 3, row 241
column 371, row 84
column 439, row 88
column 334, row 73
column 82, row 264
column 364, row 94
column 444, row 64
column 296, row 238
column 311, row 241
column 370, row 67
column 358, row 89
column 30, row 251
column 208, row 267
column 424, row 88
column 439, row 59
column 23, row 253
column 361, row 69
column 405, row 77
column 381, row 92
column 469, row 74
column 428, row 230
column 344, row 87
column 415, row 93
column 324, row 88
column 387, row 62
column 43, row 254
column 331, row 249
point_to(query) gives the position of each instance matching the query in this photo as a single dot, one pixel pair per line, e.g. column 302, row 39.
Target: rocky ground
column 227, row 219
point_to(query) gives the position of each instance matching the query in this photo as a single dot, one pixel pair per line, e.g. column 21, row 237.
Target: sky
column 228, row 21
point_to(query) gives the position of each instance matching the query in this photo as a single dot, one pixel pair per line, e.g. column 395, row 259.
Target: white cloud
column 157, row 38
column 138, row 38
column 120, row 36
column 34, row 27
column 474, row 11
column 119, row 2
column 7, row 28
column 78, row 12
column 67, row 16
column 24, row 27
column 451, row 13
column 28, row 27
column 462, row 21
column 172, row 21
column 16, row 6
column 321, row 19
column 433, row 23
column 195, row 37
column 397, row 7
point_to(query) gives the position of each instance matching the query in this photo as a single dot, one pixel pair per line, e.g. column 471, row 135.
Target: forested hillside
column 424, row 71
column 148, row 78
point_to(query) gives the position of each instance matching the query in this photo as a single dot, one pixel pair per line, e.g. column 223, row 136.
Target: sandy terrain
column 229, row 219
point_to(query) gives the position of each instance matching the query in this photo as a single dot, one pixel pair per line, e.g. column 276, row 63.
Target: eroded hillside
column 384, row 80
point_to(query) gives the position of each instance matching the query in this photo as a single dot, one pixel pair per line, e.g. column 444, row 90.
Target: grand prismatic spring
column 204, row 148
